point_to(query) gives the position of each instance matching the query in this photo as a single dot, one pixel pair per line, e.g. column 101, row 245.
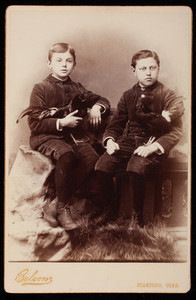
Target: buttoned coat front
column 52, row 92
column 165, row 99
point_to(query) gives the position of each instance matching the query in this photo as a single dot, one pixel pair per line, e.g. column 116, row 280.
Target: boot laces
column 64, row 209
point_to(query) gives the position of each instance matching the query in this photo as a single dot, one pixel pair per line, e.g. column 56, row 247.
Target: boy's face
column 146, row 71
column 61, row 64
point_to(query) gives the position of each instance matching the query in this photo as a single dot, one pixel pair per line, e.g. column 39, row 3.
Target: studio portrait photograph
column 98, row 149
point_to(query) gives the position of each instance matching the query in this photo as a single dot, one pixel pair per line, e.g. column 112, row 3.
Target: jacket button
column 143, row 96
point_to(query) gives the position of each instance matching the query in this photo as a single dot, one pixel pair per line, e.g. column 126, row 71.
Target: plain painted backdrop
column 104, row 38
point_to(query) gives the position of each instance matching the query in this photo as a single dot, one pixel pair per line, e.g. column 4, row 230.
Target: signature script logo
column 26, row 277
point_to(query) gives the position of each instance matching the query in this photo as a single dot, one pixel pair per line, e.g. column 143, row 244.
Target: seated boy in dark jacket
column 145, row 126
column 58, row 106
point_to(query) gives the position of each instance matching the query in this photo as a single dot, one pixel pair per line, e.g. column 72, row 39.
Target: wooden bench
column 166, row 193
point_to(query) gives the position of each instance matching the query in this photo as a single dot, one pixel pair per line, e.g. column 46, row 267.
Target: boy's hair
column 61, row 48
column 144, row 54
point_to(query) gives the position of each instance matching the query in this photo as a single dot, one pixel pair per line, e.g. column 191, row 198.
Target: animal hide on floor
column 122, row 241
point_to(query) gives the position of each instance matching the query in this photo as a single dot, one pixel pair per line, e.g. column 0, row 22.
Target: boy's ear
column 133, row 69
column 49, row 63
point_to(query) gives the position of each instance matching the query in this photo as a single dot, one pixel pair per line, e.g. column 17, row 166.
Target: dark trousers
column 124, row 159
column 72, row 167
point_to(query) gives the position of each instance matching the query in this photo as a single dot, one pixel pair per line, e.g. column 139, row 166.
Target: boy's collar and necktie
column 147, row 88
column 53, row 79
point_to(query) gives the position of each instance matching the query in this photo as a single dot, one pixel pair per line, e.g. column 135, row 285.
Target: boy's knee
column 90, row 162
column 140, row 165
column 67, row 158
column 105, row 164
column 100, row 163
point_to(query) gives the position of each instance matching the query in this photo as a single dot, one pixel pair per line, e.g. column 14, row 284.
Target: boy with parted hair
column 58, row 106
column 144, row 128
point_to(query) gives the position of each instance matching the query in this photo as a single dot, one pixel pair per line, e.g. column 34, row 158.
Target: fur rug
column 121, row 240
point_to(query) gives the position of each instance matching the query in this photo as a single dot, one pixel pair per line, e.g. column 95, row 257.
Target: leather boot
column 64, row 217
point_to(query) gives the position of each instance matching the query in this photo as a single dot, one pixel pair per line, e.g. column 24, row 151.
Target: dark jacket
column 52, row 92
column 124, row 117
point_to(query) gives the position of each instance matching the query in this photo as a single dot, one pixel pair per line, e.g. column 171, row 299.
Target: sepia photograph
column 98, row 149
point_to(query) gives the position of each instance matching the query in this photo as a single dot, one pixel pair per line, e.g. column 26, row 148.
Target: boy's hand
column 95, row 115
column 111, row 146
column 145, row 151
column 70, row 120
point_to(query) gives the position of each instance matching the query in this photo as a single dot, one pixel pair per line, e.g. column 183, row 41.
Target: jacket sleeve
column 173, row 103
column 47, row 125
column 169, row 140
column 175, row 106
column 118, row 122
column 93, row 99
